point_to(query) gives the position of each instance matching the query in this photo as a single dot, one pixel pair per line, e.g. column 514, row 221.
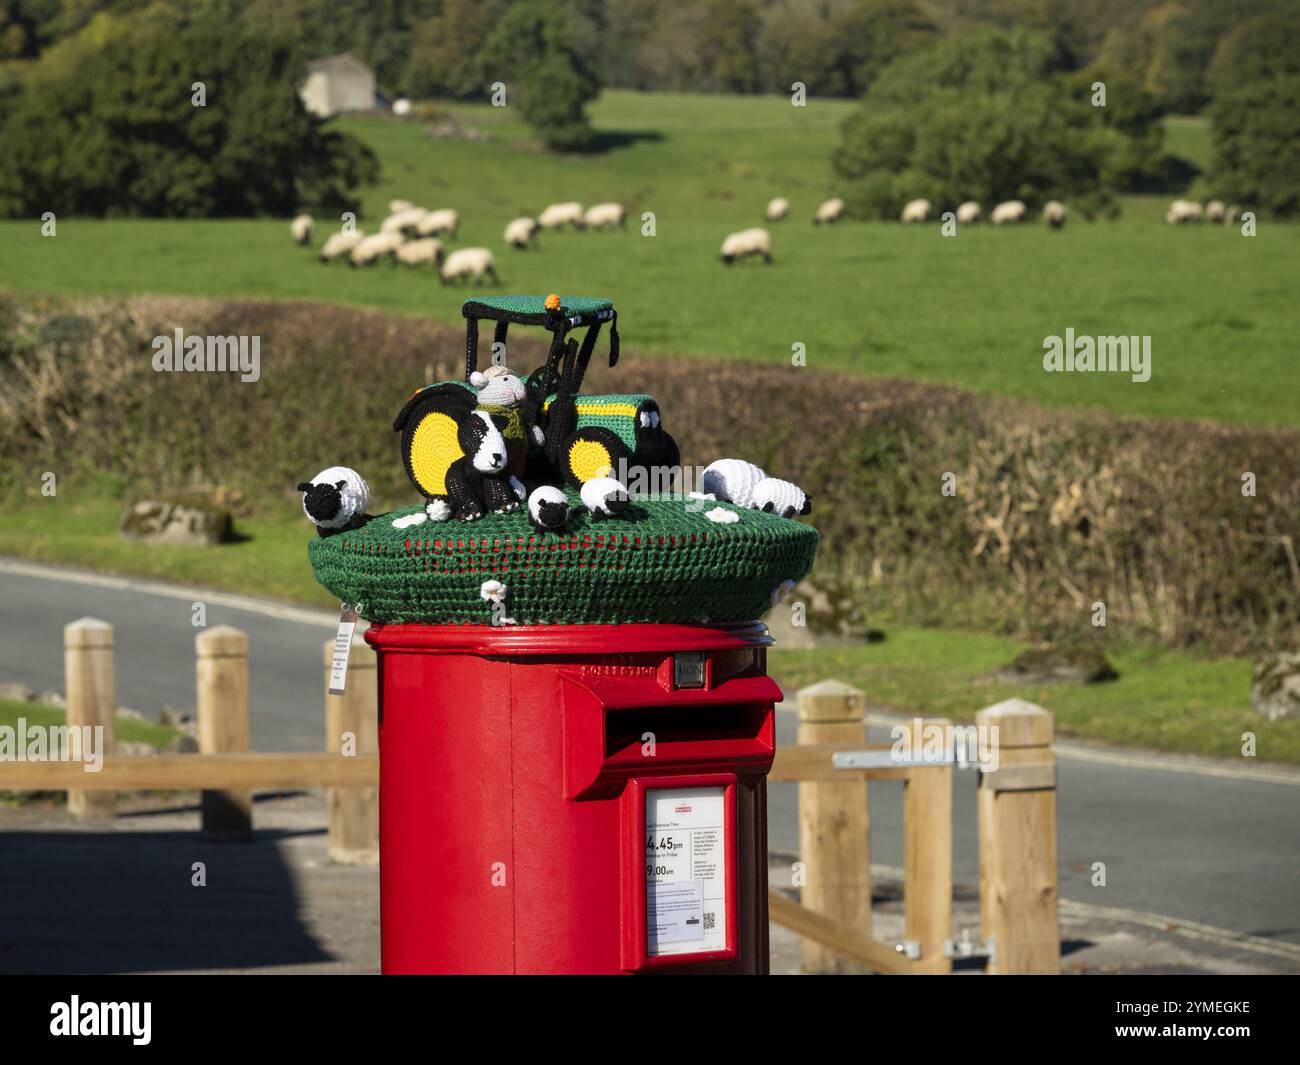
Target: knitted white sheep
column 604, row 497
column 829, row 212
column 605, row 214
column 1054, row 213
column 915, row 211
column 419, row 252
column 1009, row 211
column 399, row 205
column 562, row 214
column 1215, row 210
column 1231, row 214
column 339, row 245
column 548, row 508
column 445, row 220
column 780, row 497
column 968, row 213
column 777, row 209
column 732, row 481
column 469, row 263
column 746, row 243
column 302, row 228
column 336, row 500
column 520, row 232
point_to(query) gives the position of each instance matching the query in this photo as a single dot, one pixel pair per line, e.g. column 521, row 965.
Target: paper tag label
column 342, row 645
column 685, row 868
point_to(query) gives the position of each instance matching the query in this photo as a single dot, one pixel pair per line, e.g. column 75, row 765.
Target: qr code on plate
column 710, row 919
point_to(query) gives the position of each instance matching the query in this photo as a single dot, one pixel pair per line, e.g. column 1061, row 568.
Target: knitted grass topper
column 662, row 560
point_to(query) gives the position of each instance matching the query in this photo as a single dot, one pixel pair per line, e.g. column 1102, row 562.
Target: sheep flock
column 417, row 237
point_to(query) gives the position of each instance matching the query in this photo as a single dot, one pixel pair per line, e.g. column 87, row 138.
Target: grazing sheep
column 605, row 214
column 1054, row 213
column 1231, row 215
column 1183, row 211
column 470, row 263
column 561, row 214
column 968, row 213
column 302, row 228
column 419, row 252
column 604, row 497
column 375, row 247
column 520, row 232
column 337, row 245
column 445, row 220
column 399, row 205
column 1009, row 211
column 780, row 497
column 915, row 211
column 745, row 243
column 1214, row 211
column 777, row 209
column 403, row 221
column 829, row 212
column 732, row 480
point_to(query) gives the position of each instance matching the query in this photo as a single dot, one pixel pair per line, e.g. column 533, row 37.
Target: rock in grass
column 177, row 521
column 1275, row 686
column 1059, row 665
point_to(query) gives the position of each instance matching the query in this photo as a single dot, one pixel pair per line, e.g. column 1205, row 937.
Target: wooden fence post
column 834, row 825
column 91, row 700
column 224, row 724
column 1019, row 890
column 351, row 728
column 927, row 881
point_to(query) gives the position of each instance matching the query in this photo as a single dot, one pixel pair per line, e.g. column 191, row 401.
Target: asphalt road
column 1195, row 843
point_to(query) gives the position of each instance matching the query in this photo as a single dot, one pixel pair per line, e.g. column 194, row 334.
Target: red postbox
column 574, row 798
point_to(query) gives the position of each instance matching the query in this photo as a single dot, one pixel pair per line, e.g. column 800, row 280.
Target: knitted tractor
column 454, row 454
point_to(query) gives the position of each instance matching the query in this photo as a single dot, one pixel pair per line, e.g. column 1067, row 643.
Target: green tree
column 985, row 116
column 1264, row 47
column 1256, row 134
column 546, row 70
column 117, row 132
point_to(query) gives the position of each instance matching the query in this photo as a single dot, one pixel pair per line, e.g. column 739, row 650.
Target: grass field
column 270, row 560
column 1162, row 700
column 877, row 299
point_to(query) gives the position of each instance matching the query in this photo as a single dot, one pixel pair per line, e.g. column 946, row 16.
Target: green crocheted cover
column 616, row 413
column 666, row 564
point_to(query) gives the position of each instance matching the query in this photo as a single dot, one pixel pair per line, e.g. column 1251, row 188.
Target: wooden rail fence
column 1016, row 803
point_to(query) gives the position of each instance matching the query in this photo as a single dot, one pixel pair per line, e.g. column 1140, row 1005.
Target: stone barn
column 338, row 83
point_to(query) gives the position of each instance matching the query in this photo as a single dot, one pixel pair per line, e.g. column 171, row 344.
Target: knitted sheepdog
column 455, row 454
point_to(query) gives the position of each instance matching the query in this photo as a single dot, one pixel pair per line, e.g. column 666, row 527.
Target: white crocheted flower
column 722, row 517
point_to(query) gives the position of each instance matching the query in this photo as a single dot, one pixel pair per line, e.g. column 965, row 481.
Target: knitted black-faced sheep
column 336, row 500
column 548, row 508
column 604, row 497
column 454, row 454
